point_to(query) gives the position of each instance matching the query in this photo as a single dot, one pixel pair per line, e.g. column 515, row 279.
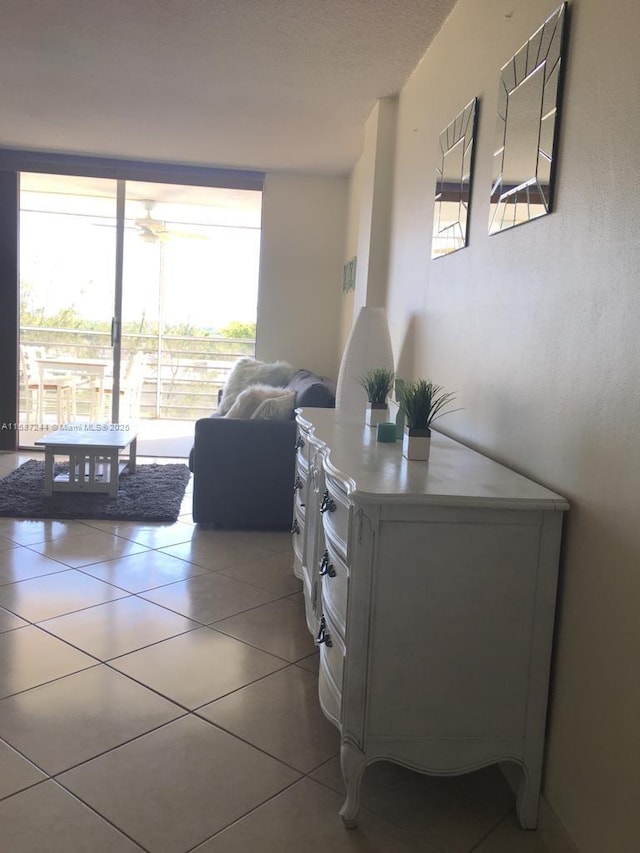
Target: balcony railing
column 182, row 374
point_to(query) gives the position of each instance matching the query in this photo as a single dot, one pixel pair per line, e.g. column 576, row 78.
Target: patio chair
column 46, row 391
column 131, row 383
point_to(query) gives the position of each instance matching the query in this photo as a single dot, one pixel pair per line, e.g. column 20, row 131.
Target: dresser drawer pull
column 326, row 568
column 295, row 527
column 323, row 635
column 328, row 504
column 298, row 484
column 299, row 443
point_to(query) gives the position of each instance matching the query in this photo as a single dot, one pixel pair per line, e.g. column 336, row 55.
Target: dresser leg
column 529, row 795
column 352, row 763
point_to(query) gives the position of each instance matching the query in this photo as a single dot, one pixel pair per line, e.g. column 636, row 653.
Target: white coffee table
column 92, row 451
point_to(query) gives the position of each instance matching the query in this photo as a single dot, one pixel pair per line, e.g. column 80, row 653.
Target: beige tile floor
column 158, row 693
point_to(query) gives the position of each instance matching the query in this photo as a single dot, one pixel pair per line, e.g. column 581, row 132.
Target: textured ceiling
column 264, row 84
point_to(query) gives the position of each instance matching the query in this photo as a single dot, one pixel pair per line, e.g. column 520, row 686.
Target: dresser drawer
column 315, row 474
column 329, row 696
column 310, row 591
column 302, row 449
column 335, row 583
column 332, row 653
column 298, row 547
column 301, row 479
column 300, row 500
column 336, row 512
column 297, row 565
column 297, row 531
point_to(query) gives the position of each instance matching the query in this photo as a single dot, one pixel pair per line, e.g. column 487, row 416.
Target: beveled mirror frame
column 525, row 158
column 453, row 183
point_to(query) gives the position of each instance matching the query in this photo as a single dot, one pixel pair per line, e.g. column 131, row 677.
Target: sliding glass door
column 67, row 296
column 135, row 298
column 190, row 290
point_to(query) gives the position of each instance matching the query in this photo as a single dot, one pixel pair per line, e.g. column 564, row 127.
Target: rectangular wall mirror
column 453, row 183
column 525, row 156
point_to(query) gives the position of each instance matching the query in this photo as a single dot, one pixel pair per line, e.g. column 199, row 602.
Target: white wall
column 375, row 175
column 357, row 180
column 301, row 262
column 369, row 208
column 537, row 330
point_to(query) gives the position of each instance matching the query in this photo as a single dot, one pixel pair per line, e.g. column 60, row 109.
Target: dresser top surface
column 454, row 474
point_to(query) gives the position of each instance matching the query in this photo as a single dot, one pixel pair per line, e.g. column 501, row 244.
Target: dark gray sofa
column 244, row 469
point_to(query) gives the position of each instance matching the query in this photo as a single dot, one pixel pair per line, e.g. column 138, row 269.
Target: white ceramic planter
column 416, row 444
column 376, row 413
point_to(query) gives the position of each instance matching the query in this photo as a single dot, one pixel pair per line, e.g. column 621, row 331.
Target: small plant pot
column 416, row 444
column 376, row 413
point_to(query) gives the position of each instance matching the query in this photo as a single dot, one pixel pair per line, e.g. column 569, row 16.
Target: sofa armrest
column 243, row 473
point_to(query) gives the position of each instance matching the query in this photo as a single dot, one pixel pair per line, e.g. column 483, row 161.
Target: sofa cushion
column 277, row 408
column 250, row 371
column 252, row 398
column 312, row 391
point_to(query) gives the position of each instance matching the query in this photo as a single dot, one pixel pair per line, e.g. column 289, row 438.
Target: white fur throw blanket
column 249, row 400
column 249, row 371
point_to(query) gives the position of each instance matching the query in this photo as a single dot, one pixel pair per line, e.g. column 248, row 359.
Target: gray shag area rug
column 153, row 493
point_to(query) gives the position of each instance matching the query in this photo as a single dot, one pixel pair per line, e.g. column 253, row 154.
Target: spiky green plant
column 377, row 382
column 423, row 402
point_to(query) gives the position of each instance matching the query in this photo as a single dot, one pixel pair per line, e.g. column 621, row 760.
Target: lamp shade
column 368, row 346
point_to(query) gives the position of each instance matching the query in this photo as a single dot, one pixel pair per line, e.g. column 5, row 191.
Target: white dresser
column 430, row 588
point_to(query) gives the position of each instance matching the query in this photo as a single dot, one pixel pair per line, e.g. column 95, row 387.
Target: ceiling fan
column 152, row 230
column 148, row 228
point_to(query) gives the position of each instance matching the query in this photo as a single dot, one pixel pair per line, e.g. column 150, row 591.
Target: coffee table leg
column 132, row 455
column 114, row 473
column 48, row 472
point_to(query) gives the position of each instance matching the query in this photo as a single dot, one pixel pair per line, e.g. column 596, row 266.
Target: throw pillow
column 250, row 371
column 313, row 391
column 248, row 400
column 277, row 408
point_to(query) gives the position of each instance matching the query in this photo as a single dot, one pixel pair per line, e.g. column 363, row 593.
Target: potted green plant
column 422, row 402
column 377, row 383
